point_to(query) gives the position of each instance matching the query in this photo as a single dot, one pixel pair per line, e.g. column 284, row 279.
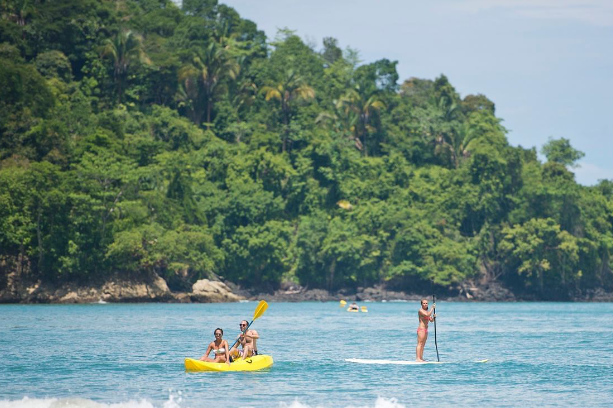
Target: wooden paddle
column 434, row 313
column 259, row 311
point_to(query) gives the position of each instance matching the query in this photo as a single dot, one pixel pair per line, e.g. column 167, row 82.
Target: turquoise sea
column 131, row 356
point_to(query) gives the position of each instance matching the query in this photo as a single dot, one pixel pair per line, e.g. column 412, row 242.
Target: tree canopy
column 139, row 136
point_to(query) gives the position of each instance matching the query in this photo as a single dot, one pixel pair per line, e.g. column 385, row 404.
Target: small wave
column 379, row 403
column 72, row 403
column 171, row 403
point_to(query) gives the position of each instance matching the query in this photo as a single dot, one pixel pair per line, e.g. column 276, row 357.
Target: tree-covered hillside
column 140, row 136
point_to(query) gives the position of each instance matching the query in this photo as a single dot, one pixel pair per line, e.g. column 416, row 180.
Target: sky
column 546, row 64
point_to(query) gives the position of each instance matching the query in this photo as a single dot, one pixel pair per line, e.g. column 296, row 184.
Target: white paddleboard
column 399, row 362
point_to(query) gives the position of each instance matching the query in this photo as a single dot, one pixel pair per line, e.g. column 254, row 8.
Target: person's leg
column 421, row 342
column 247, row 351
column 423, row 345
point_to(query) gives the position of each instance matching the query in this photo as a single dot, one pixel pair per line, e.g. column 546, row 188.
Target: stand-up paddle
column 259, row 311
column 434, row 313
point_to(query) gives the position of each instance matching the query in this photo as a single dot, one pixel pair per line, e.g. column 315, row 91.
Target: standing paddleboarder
column 425, row 317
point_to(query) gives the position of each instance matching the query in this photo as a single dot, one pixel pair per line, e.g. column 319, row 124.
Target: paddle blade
column 259, row 311
column 342, row 303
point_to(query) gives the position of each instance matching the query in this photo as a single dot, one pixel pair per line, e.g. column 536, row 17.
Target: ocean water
column 131, row 356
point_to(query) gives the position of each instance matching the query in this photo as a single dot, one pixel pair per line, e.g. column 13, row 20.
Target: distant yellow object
column 353, row 310
column 251, row 364
column 342, row 303
column 344, row 204
column 364, row 310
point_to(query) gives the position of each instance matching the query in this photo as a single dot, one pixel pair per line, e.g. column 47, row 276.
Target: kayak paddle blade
column 259, row 311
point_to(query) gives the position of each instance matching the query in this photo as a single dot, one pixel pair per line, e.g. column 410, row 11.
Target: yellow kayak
column 251, row 364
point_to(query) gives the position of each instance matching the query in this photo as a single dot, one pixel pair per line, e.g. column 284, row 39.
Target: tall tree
column 560, row 151
column 125, row 50
column 291, row 89
column 202, row 80
column 364, row 107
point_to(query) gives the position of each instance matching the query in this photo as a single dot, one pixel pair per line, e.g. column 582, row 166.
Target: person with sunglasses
column 218, row 346
column 248, row 341
column 424, row 317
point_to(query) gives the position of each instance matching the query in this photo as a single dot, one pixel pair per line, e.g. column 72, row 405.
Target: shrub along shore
column 143, row 142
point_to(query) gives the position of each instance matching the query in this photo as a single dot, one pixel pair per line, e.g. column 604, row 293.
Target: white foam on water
column 171, row 403
column 27, row 403
column 71, row 403
column 381, row 402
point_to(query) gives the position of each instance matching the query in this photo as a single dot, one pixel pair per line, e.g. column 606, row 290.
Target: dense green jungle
column 141, row 136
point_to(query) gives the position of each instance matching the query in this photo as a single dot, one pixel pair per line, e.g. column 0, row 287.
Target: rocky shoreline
column 121, row 288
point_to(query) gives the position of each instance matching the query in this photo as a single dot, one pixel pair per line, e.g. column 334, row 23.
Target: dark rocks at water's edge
column 118, row 288
column 150, row 287
column 295, row 293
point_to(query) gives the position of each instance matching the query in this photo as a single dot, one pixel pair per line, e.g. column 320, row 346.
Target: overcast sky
column 546, row 64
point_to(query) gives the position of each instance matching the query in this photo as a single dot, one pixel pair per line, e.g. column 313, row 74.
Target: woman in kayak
column 220, row 347
column 425, row 317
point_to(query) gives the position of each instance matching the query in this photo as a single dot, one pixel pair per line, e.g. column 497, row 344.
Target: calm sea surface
column 131, row 356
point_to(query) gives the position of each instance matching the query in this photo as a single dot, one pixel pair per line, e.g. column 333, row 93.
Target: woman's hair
column 215, row 331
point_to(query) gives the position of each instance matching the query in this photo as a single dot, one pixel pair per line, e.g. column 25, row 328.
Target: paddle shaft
column 434, row 313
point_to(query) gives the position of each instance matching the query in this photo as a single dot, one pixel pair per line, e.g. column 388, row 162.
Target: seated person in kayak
column 353, row 306
column 220, row 347
column 248, row 340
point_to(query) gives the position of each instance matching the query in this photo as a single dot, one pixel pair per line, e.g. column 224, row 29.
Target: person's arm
column 208, row 351
column 253, row 334
column 227, row 352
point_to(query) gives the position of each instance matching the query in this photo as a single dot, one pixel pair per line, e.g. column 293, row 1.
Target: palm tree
column 202, row 80
column 19, row 12
column 291, row 88
column 341, row 120
column 364, row 107
column 125, row 50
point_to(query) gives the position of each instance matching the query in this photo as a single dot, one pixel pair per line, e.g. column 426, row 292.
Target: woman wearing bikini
column 220, row 347
column 425, row 317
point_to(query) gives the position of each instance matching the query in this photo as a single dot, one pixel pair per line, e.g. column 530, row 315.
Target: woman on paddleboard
column 425, row 317
column 220, row 347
